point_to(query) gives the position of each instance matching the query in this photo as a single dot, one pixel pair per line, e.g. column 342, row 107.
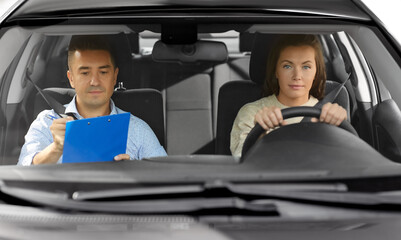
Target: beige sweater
column 244, row 122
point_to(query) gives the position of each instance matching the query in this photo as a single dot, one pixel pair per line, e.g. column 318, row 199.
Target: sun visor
column 200, row 51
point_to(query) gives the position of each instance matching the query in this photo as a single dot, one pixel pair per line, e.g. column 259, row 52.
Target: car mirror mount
column 209, row 51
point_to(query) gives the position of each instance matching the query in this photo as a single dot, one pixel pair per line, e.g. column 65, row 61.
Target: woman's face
column 295, row 71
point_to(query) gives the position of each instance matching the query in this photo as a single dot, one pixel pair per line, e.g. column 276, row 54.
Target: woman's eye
column 286, row 66
column 307, row 67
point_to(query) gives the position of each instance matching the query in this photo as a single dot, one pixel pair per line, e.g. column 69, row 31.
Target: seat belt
column 330, row 97
column 58, row 108
column 53, row 103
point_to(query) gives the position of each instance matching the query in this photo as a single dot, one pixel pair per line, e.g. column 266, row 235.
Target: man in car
column 93, row 74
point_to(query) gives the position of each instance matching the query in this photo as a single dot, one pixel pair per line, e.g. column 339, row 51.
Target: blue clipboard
column 96, row 139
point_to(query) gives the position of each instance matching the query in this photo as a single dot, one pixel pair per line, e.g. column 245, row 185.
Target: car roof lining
column 337, row 8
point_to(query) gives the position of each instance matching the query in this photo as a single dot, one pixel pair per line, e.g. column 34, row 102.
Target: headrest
column 200, row 51
column 262, row 44
column 121, row 46
column 246, row 41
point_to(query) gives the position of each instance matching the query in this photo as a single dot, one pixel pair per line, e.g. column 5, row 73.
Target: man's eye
column 85, row 73
column 103, row 72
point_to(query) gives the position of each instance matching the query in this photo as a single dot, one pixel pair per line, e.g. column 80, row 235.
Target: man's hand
column 120, row 157
column 269, row 118
column 332, row 113
column 58, row 131
column 53, row 152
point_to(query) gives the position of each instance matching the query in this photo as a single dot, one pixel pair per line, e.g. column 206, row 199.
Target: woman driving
column 295, row 77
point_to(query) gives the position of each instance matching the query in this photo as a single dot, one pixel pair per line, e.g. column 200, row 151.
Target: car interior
column 187, row 87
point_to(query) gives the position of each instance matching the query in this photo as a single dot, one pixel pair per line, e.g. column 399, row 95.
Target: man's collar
column 72, row 108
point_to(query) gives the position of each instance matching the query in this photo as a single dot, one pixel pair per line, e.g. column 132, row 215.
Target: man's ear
column 70, row 78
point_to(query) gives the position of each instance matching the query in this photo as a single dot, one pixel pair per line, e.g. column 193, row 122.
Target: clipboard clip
column 108, row 120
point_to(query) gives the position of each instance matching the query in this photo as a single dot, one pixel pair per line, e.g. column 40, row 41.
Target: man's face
column 93, row 76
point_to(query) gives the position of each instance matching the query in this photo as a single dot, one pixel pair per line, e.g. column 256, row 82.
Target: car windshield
column 182, row 82
column 198, row 119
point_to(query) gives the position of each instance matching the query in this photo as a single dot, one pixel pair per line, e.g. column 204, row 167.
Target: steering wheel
column 257, row 130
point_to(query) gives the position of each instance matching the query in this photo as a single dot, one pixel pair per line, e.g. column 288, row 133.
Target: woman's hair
column 271, row 85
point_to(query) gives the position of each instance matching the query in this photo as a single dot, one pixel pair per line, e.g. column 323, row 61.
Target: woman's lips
column 296, row 87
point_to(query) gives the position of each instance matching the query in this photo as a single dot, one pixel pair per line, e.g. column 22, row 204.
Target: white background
column 388, row 11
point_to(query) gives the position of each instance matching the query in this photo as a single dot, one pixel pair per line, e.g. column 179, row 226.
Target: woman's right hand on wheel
column 269, row 118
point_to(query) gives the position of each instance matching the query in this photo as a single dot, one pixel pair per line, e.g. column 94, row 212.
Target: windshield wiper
column 163, row 204
column 324, row 193
column 185, row 205
column 192, row 198
column 140, row 191
column 188, row 189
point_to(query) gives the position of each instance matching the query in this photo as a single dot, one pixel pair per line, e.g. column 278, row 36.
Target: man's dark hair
column 89, row 42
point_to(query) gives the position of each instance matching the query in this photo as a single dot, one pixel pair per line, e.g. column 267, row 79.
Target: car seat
column 186, row 79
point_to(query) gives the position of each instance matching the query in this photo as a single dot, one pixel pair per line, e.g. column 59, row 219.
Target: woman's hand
column 269, row 118
column 332, row 113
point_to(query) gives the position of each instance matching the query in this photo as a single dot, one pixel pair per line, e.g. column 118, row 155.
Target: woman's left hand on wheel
column 332, row 113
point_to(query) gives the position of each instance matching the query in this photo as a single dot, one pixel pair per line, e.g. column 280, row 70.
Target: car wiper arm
column 188, row 189
column 61, row 200
column 132, row 192
column 324, row 193
column 320, row 193
column 336, row 197
column 184, row 205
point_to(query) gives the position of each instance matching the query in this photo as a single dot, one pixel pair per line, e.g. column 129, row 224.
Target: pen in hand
column 51, row 117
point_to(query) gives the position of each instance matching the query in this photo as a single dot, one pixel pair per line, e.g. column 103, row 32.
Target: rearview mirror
column 210, row 51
